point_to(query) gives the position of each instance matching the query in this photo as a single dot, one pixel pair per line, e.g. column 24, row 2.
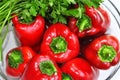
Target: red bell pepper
column 103, row 51
column 94, row 23
column 42, row 67
column 60, row 43
column 79, row 69
column 17, row 60
column 29, row 34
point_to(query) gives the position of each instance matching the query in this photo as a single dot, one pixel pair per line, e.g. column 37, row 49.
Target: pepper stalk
column 106, row 53
column 47, row 67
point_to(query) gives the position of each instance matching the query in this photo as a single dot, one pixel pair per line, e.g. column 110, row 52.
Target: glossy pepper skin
column 29, row 34
column 79, row 69
column 100, row 22
column 103, row 51
column 17, row 59
column 60, row 43
column 42, row 67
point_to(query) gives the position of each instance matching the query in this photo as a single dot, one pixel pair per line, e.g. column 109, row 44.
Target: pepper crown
column 106, row 53
column 84, row 23
column 58, row 45
column 15, row 58
column 47, row 67
column 66, row 76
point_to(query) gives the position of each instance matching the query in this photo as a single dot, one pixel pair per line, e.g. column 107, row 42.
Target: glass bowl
column 110, row 74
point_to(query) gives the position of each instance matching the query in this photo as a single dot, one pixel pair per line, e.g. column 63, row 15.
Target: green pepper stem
column 106, row 53
column 47, row 67
column 15, row 58
column 66, row 76
column 84, row 23
column 58, row 45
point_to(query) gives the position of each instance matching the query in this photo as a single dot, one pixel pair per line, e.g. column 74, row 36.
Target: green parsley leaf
column 90, row 3
column 33, row 11
column 71, row 1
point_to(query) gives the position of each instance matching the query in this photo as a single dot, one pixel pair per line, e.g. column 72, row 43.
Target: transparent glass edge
column 114, row 13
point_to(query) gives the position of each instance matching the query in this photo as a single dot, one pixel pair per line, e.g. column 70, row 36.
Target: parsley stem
column 1, row 29
column 4, row 6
